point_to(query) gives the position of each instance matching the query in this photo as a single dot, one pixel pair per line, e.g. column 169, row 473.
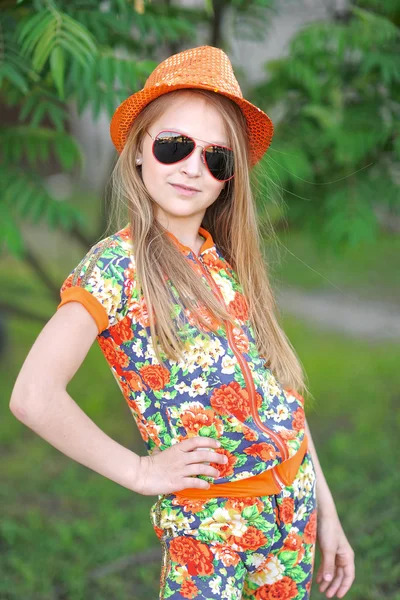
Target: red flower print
column 226, row 555
column 295, row 394
column 293, row 541
column 156, row 376
column 252, row 539
column 122, row 332
column 189, row 504
column 310, row 530
column 233, row 400
column 107, row 347
column 134, row 380
column 158, row 531
column 241, row 340
column 283, row 589
column 213, row 262
column 195, row 555
column 298, row 419
column 139, row 313
column 240, row 504
column 239, row 307
column 143, row 431
column 196, row 417
column 288, row 434
column 67, row 283
column 249, row 434
column 263, row 450
column 189, row 589
column 213, row 323
column 287, row 510
column 227, row 469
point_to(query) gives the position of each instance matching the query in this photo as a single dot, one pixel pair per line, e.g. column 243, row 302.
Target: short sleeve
column 97, row 283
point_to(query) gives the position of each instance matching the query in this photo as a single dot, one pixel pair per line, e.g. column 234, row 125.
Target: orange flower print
column 158, row 531
column 212, row 322
column 156, row 376
column 108, row 349
column 226, row 555
column 122, row 358
column 227, row 469
column 293, row 541
column 189, row 504
column 213, row 262
column 241, row 340
column 143, row 431
column 134, row 380
column 287, row 510
column 139, row 313
column 310, row 530
column 67, row 283
column 249, row 434
column 288, row 434
column 263, row 450
column 283, row 589
column 233, row 400
column 298, row 419
column 122, row 332
column 239, row 307
column 239, row 504
column 295, row 394
column 194, row 418
column 196, row 556
column 252, row 539
column 189, row 589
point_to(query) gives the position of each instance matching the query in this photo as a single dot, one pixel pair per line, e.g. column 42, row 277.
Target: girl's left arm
column 336, row 572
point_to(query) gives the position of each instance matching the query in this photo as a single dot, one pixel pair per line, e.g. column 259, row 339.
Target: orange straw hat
column 206, row 68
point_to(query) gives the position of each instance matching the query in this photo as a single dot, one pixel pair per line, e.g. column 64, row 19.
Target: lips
column 185, row 187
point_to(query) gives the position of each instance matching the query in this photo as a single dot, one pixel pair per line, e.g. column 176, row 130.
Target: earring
column 138, row 161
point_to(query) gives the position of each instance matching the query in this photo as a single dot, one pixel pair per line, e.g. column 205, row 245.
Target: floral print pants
column 240, row 548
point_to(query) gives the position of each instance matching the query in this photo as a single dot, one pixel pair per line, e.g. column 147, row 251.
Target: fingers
column 194, row 442
column 199, row 456
column 349, row 576
column 341, row 579
column 327, row 569
column 193, row 482
column 200, row 469
column 336, row 582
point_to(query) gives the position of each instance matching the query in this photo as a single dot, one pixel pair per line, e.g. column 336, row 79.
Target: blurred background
column 328, row 74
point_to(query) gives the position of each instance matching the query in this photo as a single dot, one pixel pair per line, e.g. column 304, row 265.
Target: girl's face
column 193, row 116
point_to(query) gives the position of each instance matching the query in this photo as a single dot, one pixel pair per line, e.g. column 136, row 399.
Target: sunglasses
column 170, row 147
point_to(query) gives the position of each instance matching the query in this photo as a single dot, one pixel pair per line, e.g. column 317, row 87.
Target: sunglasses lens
column 220, row 162
column 170, row 147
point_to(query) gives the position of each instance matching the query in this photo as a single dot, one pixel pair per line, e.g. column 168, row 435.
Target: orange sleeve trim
column 90, row 302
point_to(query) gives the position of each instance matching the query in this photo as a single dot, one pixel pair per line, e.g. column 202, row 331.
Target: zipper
column 246, row 373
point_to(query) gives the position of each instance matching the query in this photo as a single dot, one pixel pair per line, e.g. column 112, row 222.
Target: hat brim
column 259, row 125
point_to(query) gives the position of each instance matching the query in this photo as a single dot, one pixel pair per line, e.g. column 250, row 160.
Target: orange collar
column 208, row 241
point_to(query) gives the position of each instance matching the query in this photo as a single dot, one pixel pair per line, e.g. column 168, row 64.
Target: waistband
column 269, row 482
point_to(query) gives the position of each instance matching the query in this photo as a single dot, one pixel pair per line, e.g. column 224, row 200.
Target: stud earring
column 138, row 161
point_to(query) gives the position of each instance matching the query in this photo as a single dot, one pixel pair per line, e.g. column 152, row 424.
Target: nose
column 193, row 164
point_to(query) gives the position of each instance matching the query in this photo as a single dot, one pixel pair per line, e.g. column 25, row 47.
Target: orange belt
column 264, row 484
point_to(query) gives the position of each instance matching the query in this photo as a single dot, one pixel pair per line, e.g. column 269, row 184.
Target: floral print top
column 222, row 388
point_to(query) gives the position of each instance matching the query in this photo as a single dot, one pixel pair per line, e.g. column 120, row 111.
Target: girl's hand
column 336, row 572
column 175, row 468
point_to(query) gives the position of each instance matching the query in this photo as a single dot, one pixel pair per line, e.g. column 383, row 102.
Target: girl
column 181, row 306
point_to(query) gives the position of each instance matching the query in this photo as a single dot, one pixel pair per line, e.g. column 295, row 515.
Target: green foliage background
column 333, row 165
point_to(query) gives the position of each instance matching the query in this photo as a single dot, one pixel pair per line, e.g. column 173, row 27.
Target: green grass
column 369, row 271
column 61, row 520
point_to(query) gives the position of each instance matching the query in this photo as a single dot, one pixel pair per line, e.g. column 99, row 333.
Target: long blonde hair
column 232, row 222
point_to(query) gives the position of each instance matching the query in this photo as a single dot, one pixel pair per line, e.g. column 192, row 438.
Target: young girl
column 180, row 303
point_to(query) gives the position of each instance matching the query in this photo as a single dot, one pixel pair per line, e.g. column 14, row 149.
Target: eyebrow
column 195, row 138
